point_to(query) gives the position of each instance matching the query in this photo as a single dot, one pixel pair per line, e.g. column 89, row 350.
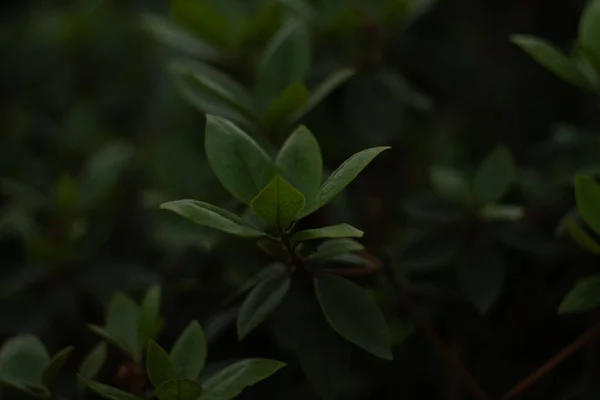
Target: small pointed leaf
column 122, row 320
column 335, row 247
column 189, row 352
column 581, row 236
column 589, row 27
column 333, row 231
column 57, row 362
column 109, row 392
column 233, row 379
column 93, row 362
column 149, row 313
column 279, row 203
column 583, row 297
column 212, row 216
column 587, row 195
column 158, row 364
column 551, row 58
column 342, row 176
column 290, row 101
column 261, row 302
column 300, row 163
column 494, row 175
column 179, row 389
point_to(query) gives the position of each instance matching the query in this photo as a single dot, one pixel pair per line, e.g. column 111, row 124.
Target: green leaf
column 589, row 28
column 494, row 175
column 581, row 236
column 293, row 98
column 109, row 392
column 353, row 314
column 189, row 352
column 122, row 320
column 261, row 302
column 56, row 363
column 159, row 365
column 335, row 247
column 212, row 216
column 332, row 231
column 102, row 171
column 111, row 338
column 482, row 277
column 233, row 379
column 300, row 163
column 286, row 60
column 91, row 365
column 342, row 176
column 450, row 184
column 279, row 203
column 149, row 314
column 205, row 20
column 213, row 92
column 23, row 360
column 173, row 36
column 551, row 58
column 587, row 195
column 321, row 92
column 583, row 297
column 179, row 389
column 241, row 165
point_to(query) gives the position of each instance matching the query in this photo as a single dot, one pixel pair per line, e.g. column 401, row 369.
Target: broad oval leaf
column 23, row 360
column 333, row 231
column 158, row 364
column 551, row 58
column 56, row 363
column 583, row 297
column 212, row 216
column 261, row 302
column 279, row 203
column 342, row 176
column 92, row 363
column 149, row 314
column 189, row 352
column 109, row 392
column 241, row 165
column 494, row 175
column 587, row 195
column 589, row 28
column 233, row 379
column 450, row 184
column 335, row 247
column 286, row 60
column 301, row 164
column 353, row 314
column 179, row 389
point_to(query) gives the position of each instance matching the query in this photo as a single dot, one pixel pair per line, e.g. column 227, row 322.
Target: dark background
column 89, row 115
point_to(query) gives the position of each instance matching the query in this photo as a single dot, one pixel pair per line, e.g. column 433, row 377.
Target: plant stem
column 453, row 361
column 562, row 355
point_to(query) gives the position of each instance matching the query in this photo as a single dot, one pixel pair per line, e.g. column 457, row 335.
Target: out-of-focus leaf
column 584, row 296
column 56, row 363
column 581, row 236
column 180, row 39
column 589, row 29
column 292, row 99
column 450, row 184
column 92, row 363
column 23, row 360
column 149, row 314
column 482, row 277
column 494, row 175
column 189, row 352
column 587, row 195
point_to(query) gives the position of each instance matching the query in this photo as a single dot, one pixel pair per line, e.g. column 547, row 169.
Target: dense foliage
column 300, row 199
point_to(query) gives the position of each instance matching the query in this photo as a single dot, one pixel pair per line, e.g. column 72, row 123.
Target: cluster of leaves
column 25, row 364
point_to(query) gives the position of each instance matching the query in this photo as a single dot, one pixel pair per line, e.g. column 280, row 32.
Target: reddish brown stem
column 565, row 353
column 453, row 361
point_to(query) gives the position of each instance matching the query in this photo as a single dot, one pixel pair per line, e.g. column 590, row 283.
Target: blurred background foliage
column 97, row 131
